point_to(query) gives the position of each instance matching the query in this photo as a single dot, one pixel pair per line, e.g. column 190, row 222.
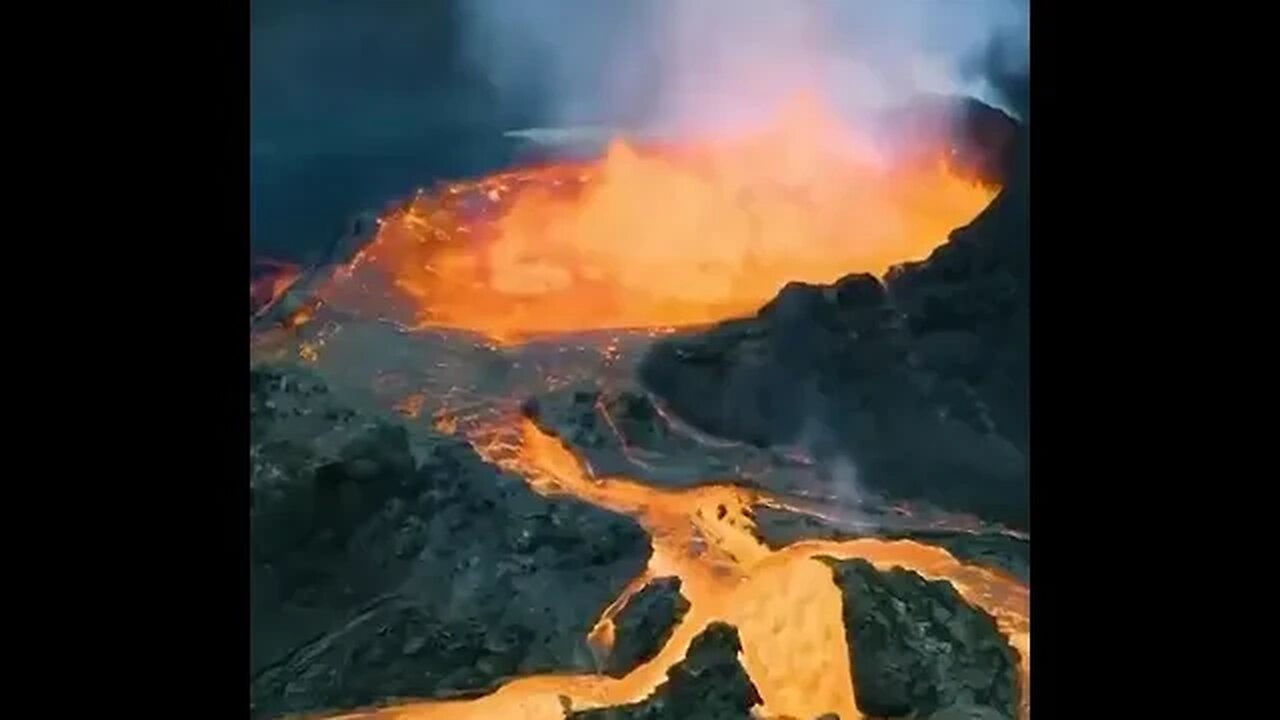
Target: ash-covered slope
column 380, row 570
column 921, row 380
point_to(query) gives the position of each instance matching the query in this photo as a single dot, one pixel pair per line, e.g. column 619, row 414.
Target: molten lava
column 784, row 603
column 655, row 238
column 659, row 237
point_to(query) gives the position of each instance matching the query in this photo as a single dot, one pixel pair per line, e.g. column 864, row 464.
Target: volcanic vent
column 451, row 499
column 652, row 236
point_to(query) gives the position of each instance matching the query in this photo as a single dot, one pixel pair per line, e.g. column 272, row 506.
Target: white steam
column 680, row 65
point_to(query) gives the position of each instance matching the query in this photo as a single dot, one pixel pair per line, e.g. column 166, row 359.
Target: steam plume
column 681, row 65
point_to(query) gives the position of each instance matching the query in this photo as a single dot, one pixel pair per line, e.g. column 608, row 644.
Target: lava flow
column 649, row 238
column 659, row 236
column 268, row 280
column 784, row 603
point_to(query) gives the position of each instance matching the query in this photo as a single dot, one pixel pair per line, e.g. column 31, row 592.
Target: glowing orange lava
column 661, row 238
column 784, row 603
column 658, row 237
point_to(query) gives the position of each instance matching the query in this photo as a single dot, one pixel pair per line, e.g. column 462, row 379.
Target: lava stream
column 784, row 603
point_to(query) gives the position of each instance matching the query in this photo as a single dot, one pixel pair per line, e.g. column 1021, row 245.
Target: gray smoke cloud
column 679, row 65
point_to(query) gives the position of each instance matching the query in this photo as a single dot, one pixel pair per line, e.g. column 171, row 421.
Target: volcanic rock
column 380, row 569
column 779, row 528
column 645, row 624
column 709, row 684
column 916, row 646
column 968, row 712
column 619, row 431
column 920, row 382
column 980, row 137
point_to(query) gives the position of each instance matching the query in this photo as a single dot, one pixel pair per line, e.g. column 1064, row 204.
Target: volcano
column 728, row 430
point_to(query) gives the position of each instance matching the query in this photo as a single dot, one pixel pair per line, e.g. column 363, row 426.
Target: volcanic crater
column 736, row 430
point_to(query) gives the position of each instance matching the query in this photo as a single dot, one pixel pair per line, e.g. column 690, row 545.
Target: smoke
column 683, row 65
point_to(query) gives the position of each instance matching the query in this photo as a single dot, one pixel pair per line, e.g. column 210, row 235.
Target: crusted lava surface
column 920, row 382
column 381, row 570
column 619, row 430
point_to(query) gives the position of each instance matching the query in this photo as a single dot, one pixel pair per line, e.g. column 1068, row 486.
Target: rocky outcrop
column 916, row 647
column 920, row 381
column 645, row 624
column 968, row 712
column 709, row 684
column 619, row 431
column 380, row 569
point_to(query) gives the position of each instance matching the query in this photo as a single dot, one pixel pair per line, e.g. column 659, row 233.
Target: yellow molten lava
column 784, row 603
column 659, row 236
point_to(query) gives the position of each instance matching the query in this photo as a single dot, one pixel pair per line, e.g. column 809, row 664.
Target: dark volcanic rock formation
column 621, row 432
column 709, row 684
column 917, row 647
column 645, row 624
column 968, row 712
column 921, row 381
column 380, row 570
column 981, row 138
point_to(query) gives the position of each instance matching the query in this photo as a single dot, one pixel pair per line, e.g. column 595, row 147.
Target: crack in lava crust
column 784, row 603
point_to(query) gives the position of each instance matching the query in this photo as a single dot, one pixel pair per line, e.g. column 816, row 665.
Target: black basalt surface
column 920, row 381
column 645, row 625
column 709, row 684
column 381, row 570
column 917, row 647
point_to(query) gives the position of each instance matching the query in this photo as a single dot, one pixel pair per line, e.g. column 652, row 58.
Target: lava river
column 784, row 603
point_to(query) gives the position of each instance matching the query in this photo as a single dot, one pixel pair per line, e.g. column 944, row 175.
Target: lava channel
column 784, row 603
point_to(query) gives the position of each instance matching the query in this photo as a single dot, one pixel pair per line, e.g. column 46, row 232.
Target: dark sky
column 354, row 103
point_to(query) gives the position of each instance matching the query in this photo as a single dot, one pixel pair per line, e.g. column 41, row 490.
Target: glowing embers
column 658, row 237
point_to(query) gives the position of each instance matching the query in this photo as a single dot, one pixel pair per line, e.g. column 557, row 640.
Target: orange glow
column 659, row 237
column 784, row 603
column 411, row 406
